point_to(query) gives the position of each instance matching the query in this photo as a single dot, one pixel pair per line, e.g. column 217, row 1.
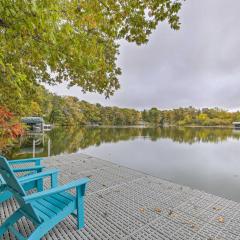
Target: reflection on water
column 202, row 158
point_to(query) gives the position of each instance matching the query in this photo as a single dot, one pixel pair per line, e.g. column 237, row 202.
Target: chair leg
column 10, row 221
column 80, row 207
column 80, row 213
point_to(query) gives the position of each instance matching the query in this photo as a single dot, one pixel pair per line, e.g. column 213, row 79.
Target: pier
column 125, row 204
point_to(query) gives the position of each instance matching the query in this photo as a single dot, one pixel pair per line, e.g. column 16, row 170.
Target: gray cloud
column 198, row 65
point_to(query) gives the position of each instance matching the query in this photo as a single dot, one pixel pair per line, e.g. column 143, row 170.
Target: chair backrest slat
column 16, row 188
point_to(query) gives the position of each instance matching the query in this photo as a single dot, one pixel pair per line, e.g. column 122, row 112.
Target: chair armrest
column 37, row 161
column 66, row 187
column 28, row 169
column 52, row 173
column 37, row 176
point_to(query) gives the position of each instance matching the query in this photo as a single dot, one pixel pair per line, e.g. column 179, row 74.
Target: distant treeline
column 71, row 111
column 66, row 110
column 190, row 117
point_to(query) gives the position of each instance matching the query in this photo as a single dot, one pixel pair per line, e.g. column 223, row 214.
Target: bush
column 10, row 128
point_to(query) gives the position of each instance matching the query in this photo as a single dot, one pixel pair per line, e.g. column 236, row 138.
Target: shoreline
column 150, row 126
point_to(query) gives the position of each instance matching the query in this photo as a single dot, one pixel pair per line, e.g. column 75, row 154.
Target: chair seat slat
column 42, row 215
column 50, row 206
column 43, row 209
column 63, row 197
column 56, row 202
column 67, row 195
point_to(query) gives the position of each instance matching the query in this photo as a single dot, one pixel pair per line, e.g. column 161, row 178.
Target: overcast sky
column 197, row 66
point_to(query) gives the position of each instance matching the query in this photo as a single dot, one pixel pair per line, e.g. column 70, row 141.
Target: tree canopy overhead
column 74, row 41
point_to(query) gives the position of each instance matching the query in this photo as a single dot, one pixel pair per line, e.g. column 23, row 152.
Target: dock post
column 49, row 147
column 34, row 147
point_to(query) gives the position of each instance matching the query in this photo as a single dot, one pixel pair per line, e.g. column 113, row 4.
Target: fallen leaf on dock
column 193, row 226
column 220, row 219
column 142, row 210
column 158, row 210
column 217, row 208
column 172, row 214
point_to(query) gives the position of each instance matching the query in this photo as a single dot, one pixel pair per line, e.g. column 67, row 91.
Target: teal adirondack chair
column 37, row 168
column 44, row 209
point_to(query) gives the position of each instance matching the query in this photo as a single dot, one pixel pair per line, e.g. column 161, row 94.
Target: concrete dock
column 125, row 204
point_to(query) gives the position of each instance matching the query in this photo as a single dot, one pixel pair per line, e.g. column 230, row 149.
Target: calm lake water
column 203, row 158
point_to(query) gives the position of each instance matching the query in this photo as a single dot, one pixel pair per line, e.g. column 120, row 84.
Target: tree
column 145, row 116
column 74, row 41
column 154, row 116
column 9, row 128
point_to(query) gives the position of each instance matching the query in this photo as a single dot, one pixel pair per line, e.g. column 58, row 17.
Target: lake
column 203, row 158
